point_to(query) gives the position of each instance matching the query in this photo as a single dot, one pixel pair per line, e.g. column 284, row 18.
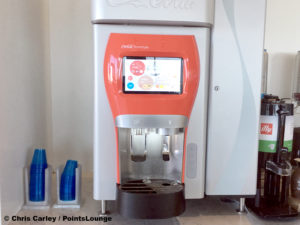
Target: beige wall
column 24, row 124
column 282, row 41
column 71, row 46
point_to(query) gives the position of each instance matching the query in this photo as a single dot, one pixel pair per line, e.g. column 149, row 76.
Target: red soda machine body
column 151, row 82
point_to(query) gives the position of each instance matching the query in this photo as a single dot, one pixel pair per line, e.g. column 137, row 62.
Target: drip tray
column 150, row 199
column 154, row 186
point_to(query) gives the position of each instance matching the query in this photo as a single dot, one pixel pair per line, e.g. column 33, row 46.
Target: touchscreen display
column 152, row 75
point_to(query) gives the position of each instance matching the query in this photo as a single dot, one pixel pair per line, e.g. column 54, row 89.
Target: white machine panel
column 166, row 12
column 234, row 97
column 105, row 157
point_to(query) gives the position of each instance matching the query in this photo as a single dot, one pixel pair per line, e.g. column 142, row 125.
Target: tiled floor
column 208, row 211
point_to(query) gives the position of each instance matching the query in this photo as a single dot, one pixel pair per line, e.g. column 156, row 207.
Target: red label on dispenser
column 266, row 128
column 137, row 68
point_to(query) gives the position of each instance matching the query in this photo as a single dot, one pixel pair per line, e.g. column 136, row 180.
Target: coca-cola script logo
column 266, row 128
column 176, row 4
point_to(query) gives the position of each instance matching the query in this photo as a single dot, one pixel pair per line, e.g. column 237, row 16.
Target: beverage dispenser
column 151, row 92
column 274, row 166
column 176, row 97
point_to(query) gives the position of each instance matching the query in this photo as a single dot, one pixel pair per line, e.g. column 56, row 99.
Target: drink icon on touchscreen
column 130, row 85
column 146, row 82
column 137, row 68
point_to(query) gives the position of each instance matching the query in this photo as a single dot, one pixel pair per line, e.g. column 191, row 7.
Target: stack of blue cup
column 37, row 176
column 68, row 181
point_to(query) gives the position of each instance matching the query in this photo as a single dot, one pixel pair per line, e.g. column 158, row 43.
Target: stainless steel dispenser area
column 149, row 152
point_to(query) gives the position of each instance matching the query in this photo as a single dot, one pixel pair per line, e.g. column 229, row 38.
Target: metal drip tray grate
column 154, row 186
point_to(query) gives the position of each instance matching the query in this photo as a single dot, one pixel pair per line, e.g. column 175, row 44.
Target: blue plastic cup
column 68, row 181
column 37, row 176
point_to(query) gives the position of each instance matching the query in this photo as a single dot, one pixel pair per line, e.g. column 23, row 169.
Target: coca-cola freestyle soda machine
column 177, row 96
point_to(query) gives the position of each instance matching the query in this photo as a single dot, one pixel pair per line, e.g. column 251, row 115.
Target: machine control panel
column 152, row 75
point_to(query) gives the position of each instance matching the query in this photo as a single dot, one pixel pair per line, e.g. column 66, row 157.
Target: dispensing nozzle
column 138, row 146
column 166, row 148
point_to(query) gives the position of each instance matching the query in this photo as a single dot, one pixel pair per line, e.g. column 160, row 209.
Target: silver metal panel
column 234, row 102
column 197, row 128
column 162, row 12
column 105, row 166
column 104, row 134
column 151, row 121
column 191, row 161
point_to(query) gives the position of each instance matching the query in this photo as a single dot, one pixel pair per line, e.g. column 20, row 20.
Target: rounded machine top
column 154, row 12
column 270, row 105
